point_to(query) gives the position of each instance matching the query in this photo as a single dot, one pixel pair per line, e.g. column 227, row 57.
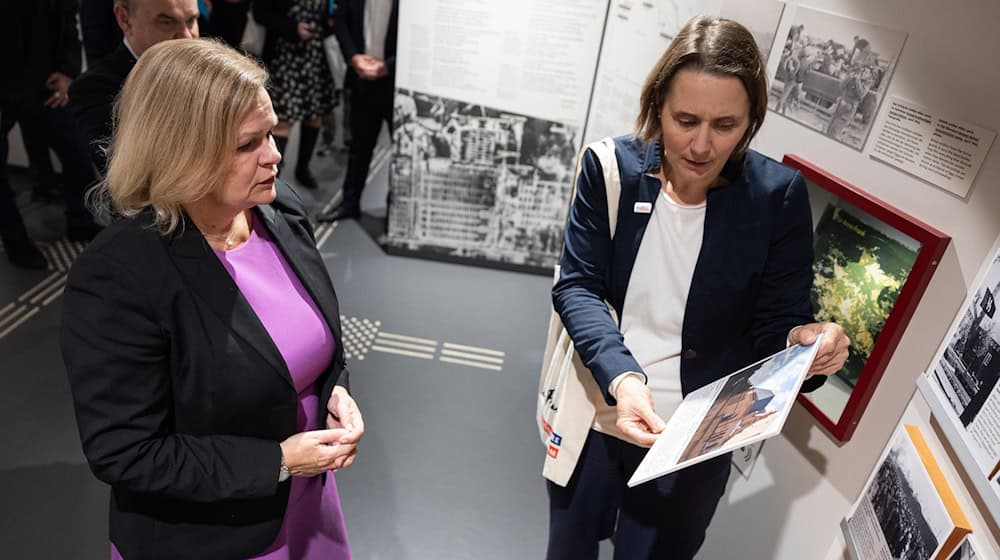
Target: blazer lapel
column 300, row 251
column 632, row 224
column 209, row 281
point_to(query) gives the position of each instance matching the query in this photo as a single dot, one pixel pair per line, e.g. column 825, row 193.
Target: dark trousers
column 371, row 105
column 665, row 518
column 60, row 129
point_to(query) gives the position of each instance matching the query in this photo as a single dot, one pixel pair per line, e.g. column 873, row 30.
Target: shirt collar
column 130, row 49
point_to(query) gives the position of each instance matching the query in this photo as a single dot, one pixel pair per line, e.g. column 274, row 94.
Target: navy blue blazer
column 751, row 283
column 181, row 396
column 349, row 27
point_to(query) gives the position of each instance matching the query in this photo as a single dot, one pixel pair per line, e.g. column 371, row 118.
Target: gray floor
column 444, row 366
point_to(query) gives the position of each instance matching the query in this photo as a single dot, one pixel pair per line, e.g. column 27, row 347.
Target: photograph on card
column 968, row 370
column 738, row 410
column 907, row 509
column 477, row 184
column 833, row 73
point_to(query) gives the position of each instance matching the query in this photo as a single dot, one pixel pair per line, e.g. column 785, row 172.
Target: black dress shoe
column 25, row 254
column 305, row 179
column 83, row 232
column 339, row 213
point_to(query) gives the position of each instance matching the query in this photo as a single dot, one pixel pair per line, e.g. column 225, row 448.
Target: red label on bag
column 553, row 451
column 546, row 427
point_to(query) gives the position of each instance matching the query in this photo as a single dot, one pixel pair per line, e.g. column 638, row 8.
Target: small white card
column 745, row 458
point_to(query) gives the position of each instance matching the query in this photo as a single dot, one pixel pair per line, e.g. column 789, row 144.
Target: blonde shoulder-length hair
column 176, row 123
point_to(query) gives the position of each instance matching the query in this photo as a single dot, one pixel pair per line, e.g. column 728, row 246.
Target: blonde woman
column 201, row 333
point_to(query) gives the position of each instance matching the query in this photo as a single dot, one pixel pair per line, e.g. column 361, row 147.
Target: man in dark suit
column 41, row 55
column 143, row 23
column 371, row 81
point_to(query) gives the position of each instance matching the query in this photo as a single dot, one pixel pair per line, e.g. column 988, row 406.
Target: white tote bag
column 567, row 392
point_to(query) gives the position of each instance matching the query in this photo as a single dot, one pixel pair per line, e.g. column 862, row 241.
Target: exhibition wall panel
column 805, row 481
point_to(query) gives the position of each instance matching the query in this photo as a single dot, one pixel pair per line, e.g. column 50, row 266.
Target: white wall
column 791, row 507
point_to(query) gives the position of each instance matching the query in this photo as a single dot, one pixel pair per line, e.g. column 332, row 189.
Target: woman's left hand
column 342, row 412
column 832, row 352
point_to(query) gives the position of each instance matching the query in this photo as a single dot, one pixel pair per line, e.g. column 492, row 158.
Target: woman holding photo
column 710, row 269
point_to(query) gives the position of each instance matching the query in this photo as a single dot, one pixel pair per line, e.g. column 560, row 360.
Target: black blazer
column 181, row 396
column 37, row 38
column 92, row 97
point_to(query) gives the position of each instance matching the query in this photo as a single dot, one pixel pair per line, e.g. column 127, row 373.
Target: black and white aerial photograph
column 473, row 183
column 910, row 513
column 833, row 74
column 968, row 369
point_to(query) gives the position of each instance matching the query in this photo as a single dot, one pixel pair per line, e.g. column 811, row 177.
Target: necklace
column 230, row 240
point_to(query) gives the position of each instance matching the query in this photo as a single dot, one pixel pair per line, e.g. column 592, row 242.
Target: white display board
column 637, row 34
column 491, row 101
column 530, row 57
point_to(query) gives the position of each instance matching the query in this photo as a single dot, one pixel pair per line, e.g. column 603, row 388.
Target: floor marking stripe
column 41, row 285
column 326, row 234
column 48, row 291
column 473, row 349
column 58, row 293
column 448, row 352
column 403, row 352
column 398, row 344
column 54, row 257
column 13, row 316
column 468, row 363
column 407, row 338
column 18, row 323
column 67, row 258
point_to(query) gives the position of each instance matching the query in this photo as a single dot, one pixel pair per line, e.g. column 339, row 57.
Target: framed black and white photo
column 833, row 73
column 907, row 508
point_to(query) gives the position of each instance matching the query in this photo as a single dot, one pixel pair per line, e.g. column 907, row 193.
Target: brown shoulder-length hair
column 707, row 44
column 176, row 122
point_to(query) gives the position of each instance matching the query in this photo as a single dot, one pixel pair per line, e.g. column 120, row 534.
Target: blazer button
column 690, row 354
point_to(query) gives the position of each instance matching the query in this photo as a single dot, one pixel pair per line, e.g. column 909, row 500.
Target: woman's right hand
column 315, row 452
column 637, row 420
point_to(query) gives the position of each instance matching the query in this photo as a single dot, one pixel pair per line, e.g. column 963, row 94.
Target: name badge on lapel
column 643, row 207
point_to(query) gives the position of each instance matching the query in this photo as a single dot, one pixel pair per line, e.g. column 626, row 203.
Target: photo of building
column 472, row 183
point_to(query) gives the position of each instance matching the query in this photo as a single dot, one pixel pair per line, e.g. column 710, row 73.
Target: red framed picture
column 872, row 264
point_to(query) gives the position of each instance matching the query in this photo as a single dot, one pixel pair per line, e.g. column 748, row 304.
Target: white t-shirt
column 377, row 13
column 653, row 313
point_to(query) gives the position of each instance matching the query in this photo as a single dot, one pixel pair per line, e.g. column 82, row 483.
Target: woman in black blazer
column 201, row 331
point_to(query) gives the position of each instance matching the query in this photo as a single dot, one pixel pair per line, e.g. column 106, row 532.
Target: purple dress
column 313, row 527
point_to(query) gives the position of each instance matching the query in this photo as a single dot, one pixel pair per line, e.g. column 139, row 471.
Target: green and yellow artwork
column 860, row 267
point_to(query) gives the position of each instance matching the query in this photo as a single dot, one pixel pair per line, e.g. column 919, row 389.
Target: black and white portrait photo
column 833, row 73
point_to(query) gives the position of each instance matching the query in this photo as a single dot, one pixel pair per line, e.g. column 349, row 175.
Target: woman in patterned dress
column 301, row 84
